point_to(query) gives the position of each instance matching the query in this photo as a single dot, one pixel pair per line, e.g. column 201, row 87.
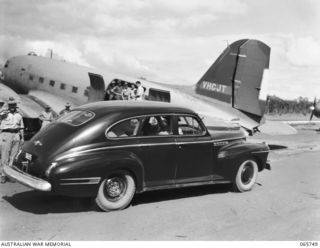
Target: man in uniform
column 66, row 110
column 46, row 116
column 11, row 135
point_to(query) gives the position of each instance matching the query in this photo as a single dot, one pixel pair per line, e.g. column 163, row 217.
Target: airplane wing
column 27, row 108
column 31, row 105
column 57, row 103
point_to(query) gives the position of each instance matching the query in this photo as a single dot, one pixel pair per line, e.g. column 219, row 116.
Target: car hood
column 226, row 133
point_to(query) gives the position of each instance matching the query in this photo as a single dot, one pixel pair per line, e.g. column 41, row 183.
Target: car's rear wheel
column 246, row 176
column 116, row 192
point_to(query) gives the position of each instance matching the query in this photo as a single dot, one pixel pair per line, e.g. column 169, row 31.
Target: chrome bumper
column 26, row 179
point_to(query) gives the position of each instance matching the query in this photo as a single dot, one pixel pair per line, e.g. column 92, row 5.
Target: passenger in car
column 164, row 126
column 132, row 128
column 151, row 127
column 134, row 123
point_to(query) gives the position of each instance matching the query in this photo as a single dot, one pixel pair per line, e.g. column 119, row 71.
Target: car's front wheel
column 116, row 192
column 246, row 175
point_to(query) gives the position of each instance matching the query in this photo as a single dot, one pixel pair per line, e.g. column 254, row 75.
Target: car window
column 76, row 118
column 157, row 125
column 188, row 125
column 127, row 128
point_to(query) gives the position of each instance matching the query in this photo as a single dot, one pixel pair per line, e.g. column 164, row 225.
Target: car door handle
column 180, row 146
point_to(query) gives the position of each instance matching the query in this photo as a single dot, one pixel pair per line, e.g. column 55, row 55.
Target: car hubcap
column 115, row 188
column 247, row 173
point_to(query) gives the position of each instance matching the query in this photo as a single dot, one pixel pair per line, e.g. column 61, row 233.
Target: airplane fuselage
column 26, row 73
column 229, row 90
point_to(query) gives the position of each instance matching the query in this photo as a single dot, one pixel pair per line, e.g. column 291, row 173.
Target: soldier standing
column 11, row 135
column 46, row 117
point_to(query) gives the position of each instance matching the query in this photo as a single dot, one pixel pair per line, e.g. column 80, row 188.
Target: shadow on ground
column 43, row 203
column 174, row 194
column 277, row 147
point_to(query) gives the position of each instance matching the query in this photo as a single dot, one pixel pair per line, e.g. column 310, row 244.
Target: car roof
column 132, row 108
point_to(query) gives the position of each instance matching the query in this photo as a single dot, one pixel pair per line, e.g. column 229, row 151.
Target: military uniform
column 46, row 117
column 11, row 135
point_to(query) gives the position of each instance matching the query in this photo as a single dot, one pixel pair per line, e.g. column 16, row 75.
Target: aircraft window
column 159, row 95
column 74, row 89
column 30, row 77
column 52, row 83
column 76, row 118
column 41, row 79
column 188, row 125
column 62, row 86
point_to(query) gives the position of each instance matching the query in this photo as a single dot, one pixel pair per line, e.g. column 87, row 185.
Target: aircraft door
column 96, row 88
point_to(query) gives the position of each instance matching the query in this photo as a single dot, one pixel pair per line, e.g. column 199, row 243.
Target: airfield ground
column 284, row 205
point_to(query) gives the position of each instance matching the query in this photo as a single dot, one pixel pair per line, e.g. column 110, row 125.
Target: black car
column 112, row 150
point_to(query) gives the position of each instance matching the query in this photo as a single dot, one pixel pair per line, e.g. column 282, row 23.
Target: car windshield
column 76, row 118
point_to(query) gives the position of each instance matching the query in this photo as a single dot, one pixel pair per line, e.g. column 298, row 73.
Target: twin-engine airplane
column 233, row 88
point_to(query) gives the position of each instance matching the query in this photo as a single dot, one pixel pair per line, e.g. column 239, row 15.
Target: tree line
column 276, row 105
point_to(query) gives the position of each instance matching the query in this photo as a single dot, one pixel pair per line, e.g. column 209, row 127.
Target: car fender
column 98, row 165
column 230, row 157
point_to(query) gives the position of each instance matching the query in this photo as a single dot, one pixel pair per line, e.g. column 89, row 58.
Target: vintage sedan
column 113, row 150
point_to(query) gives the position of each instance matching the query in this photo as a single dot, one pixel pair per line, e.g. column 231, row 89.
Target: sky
column 169, row 41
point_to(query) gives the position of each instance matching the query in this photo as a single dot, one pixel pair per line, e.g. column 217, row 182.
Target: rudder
column 236, row 77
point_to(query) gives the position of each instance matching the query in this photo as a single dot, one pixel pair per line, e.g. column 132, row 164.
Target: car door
column 194, row 151
column 157, row 151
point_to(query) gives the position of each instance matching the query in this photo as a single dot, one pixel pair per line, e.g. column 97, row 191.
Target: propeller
column 313, row 107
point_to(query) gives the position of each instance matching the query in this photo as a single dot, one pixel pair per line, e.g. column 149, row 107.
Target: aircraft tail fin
column 238, row 77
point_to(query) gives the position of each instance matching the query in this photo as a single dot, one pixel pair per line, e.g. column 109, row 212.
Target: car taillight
column 51, row 166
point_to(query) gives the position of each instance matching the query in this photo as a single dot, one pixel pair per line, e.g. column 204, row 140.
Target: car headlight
column 51, row 166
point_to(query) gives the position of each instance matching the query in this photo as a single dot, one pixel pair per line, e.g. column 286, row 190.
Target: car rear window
column 76, row 118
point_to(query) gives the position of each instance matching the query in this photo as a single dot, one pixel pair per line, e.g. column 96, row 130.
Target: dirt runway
column 284, row 205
